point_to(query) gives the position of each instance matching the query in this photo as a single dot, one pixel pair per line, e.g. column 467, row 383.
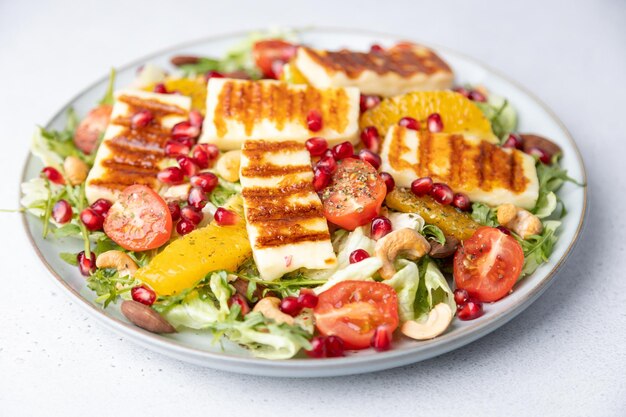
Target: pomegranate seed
column 212, row 74
column 504, row 230
column 241, row 302
column 62, row 212
column 381, row 340
column 321, row 178
column 314, row 121
column 188, row 142
column 463, row 91
column 318, row 347
column 343, row 150
column 327, row 163
column 370, row 157
column 541, row 154
column 210, row 149
column 175, row 148
column 462, row 202
column 358, row 255
column 380, row 227
column 514, row 141
column 307, row 299
column 409, row 123
column 184, row 226
column 225, row 217
column 460, row 296
column 290, row 305
column 316, row 146
column 422, row 186
column 334, row 346
column 53, row 175
column 160, row 88
column 475, row 95
column 435, row 124
column 367, row 102
column 196, row 118
column 101, row 206
column 86, row 266
column 188, row 167
column 390, row 183
column 442, row 193
column 376, row 48
column 171, row 176
column 185, row 130
column 91, row 219
column 191, row 214
column 471, row 310
column 197, row 198
column 141, row 119
column 371, row 138
column 207, row 181
column 143, row 295
column 174, row 211
column 200, row 157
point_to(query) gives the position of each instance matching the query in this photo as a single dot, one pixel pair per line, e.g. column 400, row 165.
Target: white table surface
column 565, row 355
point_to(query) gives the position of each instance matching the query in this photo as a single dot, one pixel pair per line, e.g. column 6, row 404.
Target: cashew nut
column 521, row 221
column 438, row 321
column 227, row 166
column 408, row 241
column 268, row 306
column 118, row 260
column 75, row 170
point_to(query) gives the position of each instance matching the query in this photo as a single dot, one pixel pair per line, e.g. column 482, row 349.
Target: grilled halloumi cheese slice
column 284, row 215
column 238, row 110
column 485, row 172
column 130, row 155
column 390, row 72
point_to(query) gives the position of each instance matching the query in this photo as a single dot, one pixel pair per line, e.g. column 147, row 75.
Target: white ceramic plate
column 198, row 348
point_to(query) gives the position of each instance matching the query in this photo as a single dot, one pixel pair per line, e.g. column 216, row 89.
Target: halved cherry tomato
column 353, row 310
column 271, row 55
column 91, row 127
column 355, row 194
column 488, row 264
column 139, row 220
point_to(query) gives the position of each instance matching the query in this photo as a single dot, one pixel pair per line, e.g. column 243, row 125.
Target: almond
column 145, row 317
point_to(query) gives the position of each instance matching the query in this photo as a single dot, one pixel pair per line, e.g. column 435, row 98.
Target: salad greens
column 500, row 113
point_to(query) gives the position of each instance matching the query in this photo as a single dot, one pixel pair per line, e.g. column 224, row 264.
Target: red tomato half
column 271, row 55
column 488, row 264
column 355, row 194
column 353, row 310
column 139, row 220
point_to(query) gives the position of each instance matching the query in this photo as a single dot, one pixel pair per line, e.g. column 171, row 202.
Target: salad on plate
column 299, row 201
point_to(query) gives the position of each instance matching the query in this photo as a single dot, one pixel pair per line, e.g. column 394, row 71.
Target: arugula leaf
column 224, row 191
column 203, row 66
column 501, row 115
column 109, row 285
column 68, row 257
column 430, row 230
column 485, row 215
column 108, row 95
column 538, row 248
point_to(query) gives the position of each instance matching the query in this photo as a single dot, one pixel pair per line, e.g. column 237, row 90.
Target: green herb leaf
column 485, row 215
column 430, row 230
column 70, row 258
column 109, row 285
column 108, row 95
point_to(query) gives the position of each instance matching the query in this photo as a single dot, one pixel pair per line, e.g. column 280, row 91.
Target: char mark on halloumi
column 485, row 172
column 130, row 155
column 238, row 110
column 397, row 70
column 284, row 215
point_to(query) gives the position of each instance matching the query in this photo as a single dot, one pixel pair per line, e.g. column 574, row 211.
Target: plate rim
column 350, row 364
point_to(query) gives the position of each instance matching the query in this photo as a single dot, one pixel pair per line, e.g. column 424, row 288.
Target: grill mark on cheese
column 250, row 102
column 405, row 60
column 483, row 165
column 135, row 153
column 280, row 213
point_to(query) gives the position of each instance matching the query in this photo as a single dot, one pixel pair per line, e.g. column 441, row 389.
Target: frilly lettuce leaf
column 360, row 271
column 352, row 241
column 405, row 283
column 406, row 220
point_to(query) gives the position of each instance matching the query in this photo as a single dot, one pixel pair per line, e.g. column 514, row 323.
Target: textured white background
column 565, row 355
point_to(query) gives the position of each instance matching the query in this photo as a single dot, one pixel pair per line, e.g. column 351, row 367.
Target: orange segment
column 458, row 113
column 191, row 87
column 190, row 258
